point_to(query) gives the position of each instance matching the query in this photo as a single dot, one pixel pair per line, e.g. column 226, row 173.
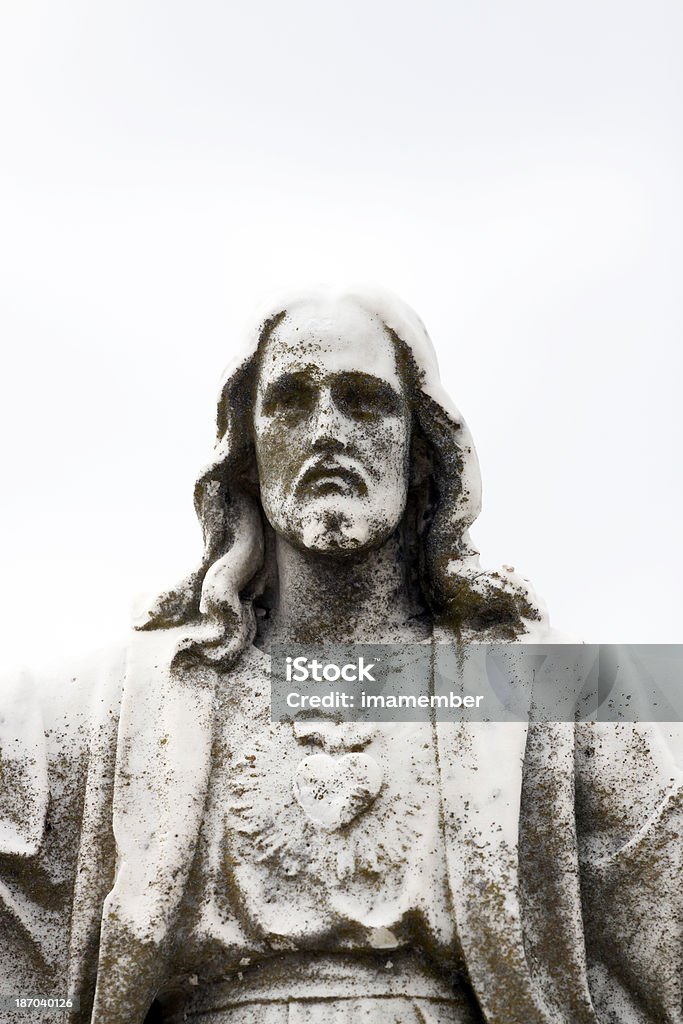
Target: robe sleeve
column 630, row 816
column 53, row 729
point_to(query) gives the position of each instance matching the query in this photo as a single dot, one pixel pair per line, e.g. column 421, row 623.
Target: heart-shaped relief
column 334, row 791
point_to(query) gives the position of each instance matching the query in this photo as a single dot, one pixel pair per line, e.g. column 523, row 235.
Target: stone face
column 168, row 853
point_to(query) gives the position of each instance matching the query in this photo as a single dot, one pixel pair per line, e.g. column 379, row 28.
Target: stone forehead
column 332, row 337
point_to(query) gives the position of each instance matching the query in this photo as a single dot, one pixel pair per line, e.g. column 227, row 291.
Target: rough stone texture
column 168, row 853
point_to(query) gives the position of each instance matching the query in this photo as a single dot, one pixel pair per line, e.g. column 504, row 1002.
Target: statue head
column 333, row 432
column 332, row 427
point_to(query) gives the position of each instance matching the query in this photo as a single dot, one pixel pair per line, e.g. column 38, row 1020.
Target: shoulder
column 70, row 694
column 47, row 721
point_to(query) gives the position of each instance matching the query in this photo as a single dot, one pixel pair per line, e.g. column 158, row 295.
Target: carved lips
column 326, row 473
column 334, row 791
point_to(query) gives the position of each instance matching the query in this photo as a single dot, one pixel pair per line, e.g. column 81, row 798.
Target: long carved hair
column 217, row 602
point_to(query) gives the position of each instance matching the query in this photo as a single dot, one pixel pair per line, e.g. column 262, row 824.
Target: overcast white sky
column 513, row 170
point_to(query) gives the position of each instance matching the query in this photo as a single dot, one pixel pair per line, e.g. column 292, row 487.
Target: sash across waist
column 311, row 977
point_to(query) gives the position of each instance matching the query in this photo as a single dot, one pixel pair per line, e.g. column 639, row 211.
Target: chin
column 330, row 538
column 339, row 534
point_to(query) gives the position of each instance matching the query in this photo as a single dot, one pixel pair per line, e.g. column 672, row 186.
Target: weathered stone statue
column 168, row 853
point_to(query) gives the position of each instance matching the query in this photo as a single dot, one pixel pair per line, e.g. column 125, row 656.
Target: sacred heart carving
column 334, row 791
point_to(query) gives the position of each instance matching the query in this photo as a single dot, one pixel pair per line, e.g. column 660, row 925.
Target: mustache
column 325, row 467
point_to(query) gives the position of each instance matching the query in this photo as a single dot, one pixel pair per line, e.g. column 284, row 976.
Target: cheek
column 386, row 448
column 276, row 456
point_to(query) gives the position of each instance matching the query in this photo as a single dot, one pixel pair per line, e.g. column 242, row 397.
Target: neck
column 322, row 598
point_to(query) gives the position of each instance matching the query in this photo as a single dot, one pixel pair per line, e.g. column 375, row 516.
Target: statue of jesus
column 180, row 857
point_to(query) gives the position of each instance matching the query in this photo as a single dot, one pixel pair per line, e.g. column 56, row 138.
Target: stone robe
column 563, row 849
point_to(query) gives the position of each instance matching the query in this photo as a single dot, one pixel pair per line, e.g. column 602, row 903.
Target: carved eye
column 291, row 399
column 296, row 399
column 366, row 399
column 354, row 401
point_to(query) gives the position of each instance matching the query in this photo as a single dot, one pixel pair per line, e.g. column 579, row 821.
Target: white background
column 513, row 170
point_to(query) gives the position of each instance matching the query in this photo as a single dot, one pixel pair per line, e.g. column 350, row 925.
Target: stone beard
column 167, row 853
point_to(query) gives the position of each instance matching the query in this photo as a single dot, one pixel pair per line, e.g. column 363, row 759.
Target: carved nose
column 328, row 427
